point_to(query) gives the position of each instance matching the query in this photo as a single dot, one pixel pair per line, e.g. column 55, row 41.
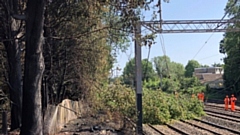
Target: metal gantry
column 191, row 26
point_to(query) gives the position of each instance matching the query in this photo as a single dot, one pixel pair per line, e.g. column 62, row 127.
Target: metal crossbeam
column 191, row 26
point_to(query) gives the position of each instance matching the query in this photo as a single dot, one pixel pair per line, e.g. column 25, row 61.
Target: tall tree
column 129, row 71
column 177, row 70
column 231, row 46
column 78, row 46
column 162, row 64
column 33, row 70
column 166, row 68
column 189, row 68
column 11, row 32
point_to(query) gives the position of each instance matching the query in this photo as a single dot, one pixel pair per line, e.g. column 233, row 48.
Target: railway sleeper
column 156, row 130
column 226, row 113
column 166, row 130
column 218, row 126
column 222, row 116
column 179, row 130
column 215, row 106
column 200, row 127
column 223, row 122
column 207, row 126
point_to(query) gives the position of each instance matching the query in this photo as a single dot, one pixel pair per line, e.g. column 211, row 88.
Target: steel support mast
column 138, row 77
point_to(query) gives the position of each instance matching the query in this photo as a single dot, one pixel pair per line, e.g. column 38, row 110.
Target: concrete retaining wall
column 57, row 116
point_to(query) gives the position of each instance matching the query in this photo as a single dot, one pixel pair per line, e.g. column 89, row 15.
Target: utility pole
column 138, row 77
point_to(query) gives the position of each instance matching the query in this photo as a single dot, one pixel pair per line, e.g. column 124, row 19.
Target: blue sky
column 183, row 47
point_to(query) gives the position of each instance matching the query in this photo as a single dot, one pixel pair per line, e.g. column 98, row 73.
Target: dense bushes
column 158, row 107
column 116, row 98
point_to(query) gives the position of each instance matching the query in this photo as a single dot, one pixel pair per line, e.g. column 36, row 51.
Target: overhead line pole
column 138, row 77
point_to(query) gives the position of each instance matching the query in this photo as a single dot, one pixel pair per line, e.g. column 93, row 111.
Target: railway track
column 220, row 107
column 217, row 101
column 233, row 131
column 216, row 122
column 163, row 130
column 157, row 131
column 201, row 127
column 191, row 127
column 223, row 116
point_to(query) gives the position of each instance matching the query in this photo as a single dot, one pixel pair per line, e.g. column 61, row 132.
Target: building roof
column 211, row 77
column 208, row 68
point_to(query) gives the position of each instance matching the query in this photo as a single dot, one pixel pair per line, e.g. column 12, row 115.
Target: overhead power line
column 164, row 51
column 218, row 25
column 208, row 57
column 203, row 46
column 146, row 67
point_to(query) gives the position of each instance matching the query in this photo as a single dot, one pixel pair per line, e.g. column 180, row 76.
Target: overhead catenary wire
column 203, row 46
column 208, row 57
column 218, row 25
column 164, row 51
column 146, row 67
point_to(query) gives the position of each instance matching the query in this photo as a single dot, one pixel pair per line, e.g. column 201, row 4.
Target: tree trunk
column 33, row 70
column 15, row 79
column 14, row 62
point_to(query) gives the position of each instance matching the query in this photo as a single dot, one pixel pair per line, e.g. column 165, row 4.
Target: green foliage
column 152, row 84
column 148, row 72
column 191, row 86
column 177, row 70
column 165, row 67
column 204, row 66
column 161, row 64
column 116, row 98
column 158, row 107
column 217, row 65
column 231, row 45
column 189, row 69
column 169, row 85
column 189, row 82
column 87, row 36
column 155, row 107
